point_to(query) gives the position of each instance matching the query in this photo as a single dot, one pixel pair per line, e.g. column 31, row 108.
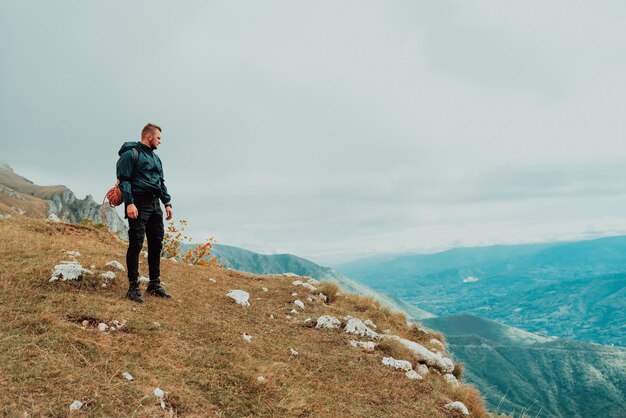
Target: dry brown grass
column 197, row 354
column 330, row 290
column 458, row 370
column 418, row 333
column 393, row 348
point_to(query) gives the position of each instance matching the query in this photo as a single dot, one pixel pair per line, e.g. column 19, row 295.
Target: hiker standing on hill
column 140, row 174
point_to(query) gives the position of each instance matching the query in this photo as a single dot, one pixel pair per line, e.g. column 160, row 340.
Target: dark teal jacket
column 142, row 177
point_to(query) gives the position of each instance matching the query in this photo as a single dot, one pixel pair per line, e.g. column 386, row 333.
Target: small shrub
column 330, row 290
column 365, row 303
column 458, row 370
column 200, row 255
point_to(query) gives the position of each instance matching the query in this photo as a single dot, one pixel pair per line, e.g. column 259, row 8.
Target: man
column 140, row 173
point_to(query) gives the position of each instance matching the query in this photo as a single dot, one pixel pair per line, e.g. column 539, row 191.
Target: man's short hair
column 150, row 128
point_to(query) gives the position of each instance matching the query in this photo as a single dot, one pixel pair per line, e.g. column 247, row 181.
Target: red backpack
column 114, row 195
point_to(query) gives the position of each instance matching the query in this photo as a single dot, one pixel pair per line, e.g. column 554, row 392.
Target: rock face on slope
column 71, row 209
column 22, row 196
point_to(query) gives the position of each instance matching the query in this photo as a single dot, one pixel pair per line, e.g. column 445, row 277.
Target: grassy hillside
column 251, row 262
column 519, row 371
column 51, row 352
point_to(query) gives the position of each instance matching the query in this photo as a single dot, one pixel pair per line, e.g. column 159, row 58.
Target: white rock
column 104, row 285
column 397, row 364
column 72, row 253
column 128, row 376
column 305, row 285
column 271, row 316
column 423, row 354
column 247, row 337
column 293, row 352
column 298, row 303
column 145, row 254
column 311, row 299
column 327, row 321
column 306, row 321
column 450, row 378
column 437, row 343
column 173, row 260
column 412, row 374
column 115, row 265
column 85, row 323
column 288, row 317
column 422, row 369
column 370, row 324
column 290, row 275
column 51, row 218
column 158, row 392
column 458, row 406
column 108, row 275
column 313, row 281
column 309, row 286
column 260, row 379
column 102, row 327
column 71, row 271
column 240, row 297
column 356, row 326
column 265, row 289
column 323, row 297
column 294, row 294
column 212, row 280
column 75, row 406
column 293, row 311
column 144, row 279
column 93, row 267
column 367, row 345
column 156, row 324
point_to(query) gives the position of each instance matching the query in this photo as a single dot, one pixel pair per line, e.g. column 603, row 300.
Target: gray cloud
column 327, row 129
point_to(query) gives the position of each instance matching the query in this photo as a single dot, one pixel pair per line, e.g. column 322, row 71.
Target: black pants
column 149, row 223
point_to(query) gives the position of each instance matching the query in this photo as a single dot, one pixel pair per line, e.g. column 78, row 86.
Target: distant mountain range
column 519, row 372
column 572, row 289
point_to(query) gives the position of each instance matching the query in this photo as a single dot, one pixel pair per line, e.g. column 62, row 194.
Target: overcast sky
column 332, row 130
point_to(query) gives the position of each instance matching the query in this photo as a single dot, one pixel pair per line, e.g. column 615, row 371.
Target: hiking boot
column 157, row 290
column 134, row 294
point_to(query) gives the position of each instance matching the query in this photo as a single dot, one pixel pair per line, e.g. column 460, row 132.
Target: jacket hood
column 128, row 146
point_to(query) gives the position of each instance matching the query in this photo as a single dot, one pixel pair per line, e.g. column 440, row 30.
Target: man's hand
column 168, row 213
column 131, row 211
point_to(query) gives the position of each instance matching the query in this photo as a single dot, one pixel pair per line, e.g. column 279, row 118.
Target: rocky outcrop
column 68, row 208
column 62, row 202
